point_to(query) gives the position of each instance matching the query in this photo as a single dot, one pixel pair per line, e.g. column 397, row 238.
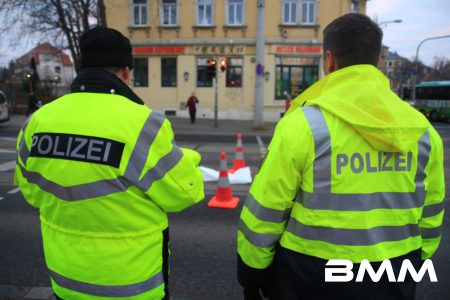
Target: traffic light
column 212, row 68
column 223, row 65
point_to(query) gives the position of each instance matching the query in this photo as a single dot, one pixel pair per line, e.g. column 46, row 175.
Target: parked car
column 5, row 108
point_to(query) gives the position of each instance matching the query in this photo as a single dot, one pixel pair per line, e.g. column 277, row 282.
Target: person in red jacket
column 192, row 105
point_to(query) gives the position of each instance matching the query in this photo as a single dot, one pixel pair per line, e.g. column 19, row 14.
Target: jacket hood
column 360, row 95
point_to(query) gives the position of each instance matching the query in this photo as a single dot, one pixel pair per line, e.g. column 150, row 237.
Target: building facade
column 53, row 66
column 174, row 41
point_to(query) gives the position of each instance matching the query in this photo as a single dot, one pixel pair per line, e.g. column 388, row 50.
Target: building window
column 354, row 6
column 203, row 80
column 289, row 11
column 140, row 72
column 204, row 12
column 169, row 12
column 139, row 13
column 294, row 75
column 308, row 11
column 168, row 72
column 234, row 72
column 235, row 12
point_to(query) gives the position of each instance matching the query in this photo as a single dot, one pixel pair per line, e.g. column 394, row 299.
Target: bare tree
column 441, row 69
column 59, row 21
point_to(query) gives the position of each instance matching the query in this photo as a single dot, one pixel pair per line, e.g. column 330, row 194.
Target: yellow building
column 174, row 40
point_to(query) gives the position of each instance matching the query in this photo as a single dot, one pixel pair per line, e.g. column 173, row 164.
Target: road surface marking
column 7, row 151
column 1, row 198
column 8, row 166
column 12, row 139
column 262, row 148
column 14, row 191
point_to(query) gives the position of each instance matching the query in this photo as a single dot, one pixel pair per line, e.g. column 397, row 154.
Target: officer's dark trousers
column 298, row 276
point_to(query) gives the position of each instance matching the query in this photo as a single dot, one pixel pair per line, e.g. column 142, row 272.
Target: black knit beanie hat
column 105, row 47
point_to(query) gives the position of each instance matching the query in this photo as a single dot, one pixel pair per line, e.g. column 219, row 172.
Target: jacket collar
column 94, row 80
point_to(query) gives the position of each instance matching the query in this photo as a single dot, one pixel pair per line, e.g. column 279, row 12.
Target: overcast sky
column 421, row 19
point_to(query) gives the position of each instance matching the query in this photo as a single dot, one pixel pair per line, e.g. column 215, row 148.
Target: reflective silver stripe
column 24, row 152
column 266, row 214
column 223, row 182
column 108, row 291
column 258, row 239
column 119, row 184
column 140, row 151
column 77, row 192
column 430, row 233
column 239, row 155
column 322, row 149
column 423, row 154
column 360, row 202
column 352, row 237
column 164, row 165
column 433, row 210
column 380, row 200
column 323, row 199
column 223, row 165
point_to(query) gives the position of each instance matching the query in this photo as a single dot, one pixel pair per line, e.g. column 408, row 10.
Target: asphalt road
column 203, row 239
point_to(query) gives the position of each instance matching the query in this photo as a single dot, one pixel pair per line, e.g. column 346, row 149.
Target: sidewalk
column 224, row 127
column 201, row 126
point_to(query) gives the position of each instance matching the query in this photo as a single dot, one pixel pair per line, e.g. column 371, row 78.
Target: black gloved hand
column 252, row 294
column 254, row 281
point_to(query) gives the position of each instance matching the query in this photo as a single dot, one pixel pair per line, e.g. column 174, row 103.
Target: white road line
column 7, row 151
column 8, row 166
column 14, row 191
column 262, row 148
column 1, row 198
column 12, row 139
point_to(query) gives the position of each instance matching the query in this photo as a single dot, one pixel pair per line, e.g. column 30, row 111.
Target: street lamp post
column 391, row 21
column 416, row 62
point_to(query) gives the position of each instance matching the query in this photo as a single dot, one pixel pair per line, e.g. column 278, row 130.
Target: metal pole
column 416, row 62
column 259, row 80
column 387, row 22
column 216, row 104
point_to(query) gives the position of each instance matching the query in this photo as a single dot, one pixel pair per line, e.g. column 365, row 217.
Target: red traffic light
column 211, row 68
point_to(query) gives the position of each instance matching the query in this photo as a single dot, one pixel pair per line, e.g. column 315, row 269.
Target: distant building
column 54, row 67
column 398, row 69
column 173, row 40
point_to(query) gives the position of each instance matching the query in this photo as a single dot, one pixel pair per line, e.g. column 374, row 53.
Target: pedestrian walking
column 104, row 171
column 360, row 178
column 192, row 104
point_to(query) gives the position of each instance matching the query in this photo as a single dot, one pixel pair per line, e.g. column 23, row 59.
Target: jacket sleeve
column 171, row 176
column 271, row 197
column 433, row 210
column 20, row 180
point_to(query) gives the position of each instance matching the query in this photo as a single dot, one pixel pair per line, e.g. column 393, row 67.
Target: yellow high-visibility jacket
column 104, row 171
column 352, row 172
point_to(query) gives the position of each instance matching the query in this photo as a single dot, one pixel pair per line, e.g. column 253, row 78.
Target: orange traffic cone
column 239, row 161
column 224, row 197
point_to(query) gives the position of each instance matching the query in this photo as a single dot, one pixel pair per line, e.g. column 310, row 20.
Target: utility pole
column 259, row 79
column 216, row 103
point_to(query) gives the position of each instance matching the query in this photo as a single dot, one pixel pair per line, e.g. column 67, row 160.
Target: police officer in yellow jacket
column 103, row 169
column 352, row 172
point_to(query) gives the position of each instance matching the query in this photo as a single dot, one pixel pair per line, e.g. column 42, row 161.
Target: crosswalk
column 8, row 166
